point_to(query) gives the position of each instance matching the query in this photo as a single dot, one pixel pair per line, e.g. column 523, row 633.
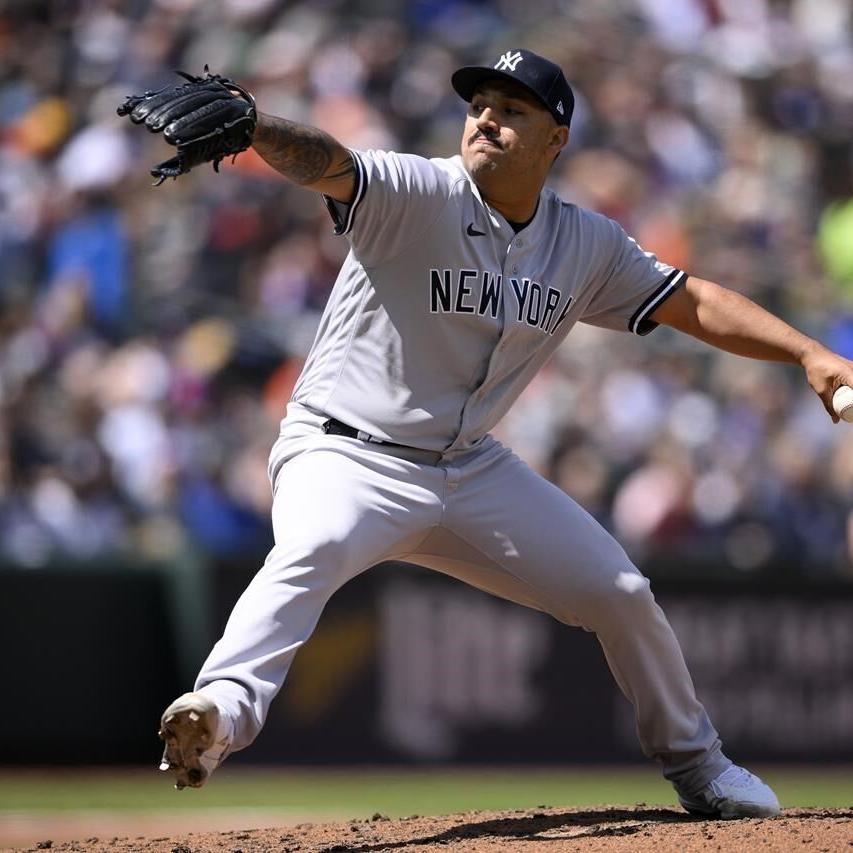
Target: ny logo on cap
column 509, row 61
column 560, row 109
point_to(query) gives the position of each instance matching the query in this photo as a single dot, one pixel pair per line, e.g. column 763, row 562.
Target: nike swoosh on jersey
column 472, row 233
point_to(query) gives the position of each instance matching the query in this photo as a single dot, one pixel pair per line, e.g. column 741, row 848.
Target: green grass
column 360, row 793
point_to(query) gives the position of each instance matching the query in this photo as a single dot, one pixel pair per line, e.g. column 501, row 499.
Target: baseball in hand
column 842, row 402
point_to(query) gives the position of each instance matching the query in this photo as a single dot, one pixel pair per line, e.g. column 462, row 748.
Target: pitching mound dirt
column 602, row 830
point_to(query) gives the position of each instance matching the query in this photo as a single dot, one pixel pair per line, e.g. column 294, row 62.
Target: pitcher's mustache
column 488, row 137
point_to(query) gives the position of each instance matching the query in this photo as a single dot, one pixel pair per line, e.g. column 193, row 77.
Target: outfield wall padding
column 408, row 666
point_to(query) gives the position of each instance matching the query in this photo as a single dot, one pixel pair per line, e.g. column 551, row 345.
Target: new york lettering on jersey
column 536, row 304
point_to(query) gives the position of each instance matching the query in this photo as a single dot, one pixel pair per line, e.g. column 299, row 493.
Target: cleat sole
column 187, row 732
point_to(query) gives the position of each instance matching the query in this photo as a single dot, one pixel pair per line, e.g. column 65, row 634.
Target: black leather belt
column 335, row 427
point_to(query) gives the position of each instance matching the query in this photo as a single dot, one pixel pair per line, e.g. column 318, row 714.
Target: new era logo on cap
column 541, row 77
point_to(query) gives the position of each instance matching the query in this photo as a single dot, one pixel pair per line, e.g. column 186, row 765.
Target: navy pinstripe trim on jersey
column 343, row 214
column 639, row 324
column 360, row 190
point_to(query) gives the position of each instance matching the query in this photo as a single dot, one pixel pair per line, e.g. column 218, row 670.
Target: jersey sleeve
column 397, row 198
column 634, row 285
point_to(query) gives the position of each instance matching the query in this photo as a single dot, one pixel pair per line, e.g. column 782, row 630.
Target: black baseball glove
column 207, row 119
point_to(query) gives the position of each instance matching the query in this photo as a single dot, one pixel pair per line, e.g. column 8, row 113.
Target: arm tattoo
column 301, row 153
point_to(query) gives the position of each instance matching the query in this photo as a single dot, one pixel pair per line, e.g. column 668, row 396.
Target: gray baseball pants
column 483, row 516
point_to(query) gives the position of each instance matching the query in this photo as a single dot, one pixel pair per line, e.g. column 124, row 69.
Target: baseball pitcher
column 464, row 275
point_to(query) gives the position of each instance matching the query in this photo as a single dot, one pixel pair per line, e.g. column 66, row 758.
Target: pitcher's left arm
column 734, row 323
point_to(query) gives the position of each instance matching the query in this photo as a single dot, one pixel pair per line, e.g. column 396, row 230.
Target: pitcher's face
column 508, row 132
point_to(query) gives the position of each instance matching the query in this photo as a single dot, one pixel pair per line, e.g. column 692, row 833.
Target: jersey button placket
column 513, row 255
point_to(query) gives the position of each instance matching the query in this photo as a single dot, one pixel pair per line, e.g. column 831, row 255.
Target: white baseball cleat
column 734, row 793
column 197, row 737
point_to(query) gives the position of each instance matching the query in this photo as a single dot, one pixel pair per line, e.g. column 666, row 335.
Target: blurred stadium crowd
column 150, row 338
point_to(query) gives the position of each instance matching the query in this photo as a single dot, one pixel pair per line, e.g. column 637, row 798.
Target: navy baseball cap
column 541, row 77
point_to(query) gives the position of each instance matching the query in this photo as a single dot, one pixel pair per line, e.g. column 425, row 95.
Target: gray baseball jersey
column 442, row 314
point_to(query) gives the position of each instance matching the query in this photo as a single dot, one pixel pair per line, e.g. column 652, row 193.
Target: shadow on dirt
column 539, row 826
column 820, row 814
